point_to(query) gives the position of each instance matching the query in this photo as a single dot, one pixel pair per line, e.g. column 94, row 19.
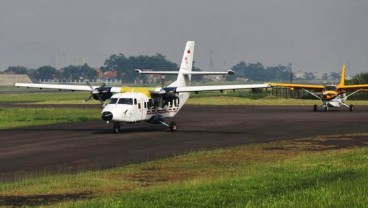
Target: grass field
column 279, row 174
column 21, row 117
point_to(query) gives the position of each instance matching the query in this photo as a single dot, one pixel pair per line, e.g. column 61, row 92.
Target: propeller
column 97, row 92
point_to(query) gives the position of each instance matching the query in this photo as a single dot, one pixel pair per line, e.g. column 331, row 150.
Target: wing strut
column 353, row 93
column 312, row 94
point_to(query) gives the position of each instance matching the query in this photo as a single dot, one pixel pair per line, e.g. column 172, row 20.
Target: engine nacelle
column 102, row 92
column 169, row 94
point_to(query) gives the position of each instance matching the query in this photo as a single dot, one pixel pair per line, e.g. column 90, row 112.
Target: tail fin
column 185, row 67
column 342, row 81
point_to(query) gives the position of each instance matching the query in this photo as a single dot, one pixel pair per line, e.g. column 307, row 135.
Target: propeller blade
column 87, row 99
column 101, row 101
column 89, row 84
column 96, row 92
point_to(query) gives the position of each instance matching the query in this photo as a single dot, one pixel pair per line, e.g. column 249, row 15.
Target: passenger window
column 113, row 100
column 145, row 104
column 139, row 105
column 127, row 101
column 135, row 101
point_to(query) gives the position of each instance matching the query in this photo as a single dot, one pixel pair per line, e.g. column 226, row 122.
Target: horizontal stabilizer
column 228, row 72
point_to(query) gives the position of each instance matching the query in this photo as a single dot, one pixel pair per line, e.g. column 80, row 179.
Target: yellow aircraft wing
column 354, row 87
column 297, row 86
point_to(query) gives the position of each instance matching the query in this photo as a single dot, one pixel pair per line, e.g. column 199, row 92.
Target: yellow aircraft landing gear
column 351, row 107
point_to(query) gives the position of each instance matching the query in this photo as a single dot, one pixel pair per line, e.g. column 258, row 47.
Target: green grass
column 277, row 174
column 44, row 97
column 20, row 117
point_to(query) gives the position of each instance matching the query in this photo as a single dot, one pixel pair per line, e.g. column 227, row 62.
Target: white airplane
column 135, row 104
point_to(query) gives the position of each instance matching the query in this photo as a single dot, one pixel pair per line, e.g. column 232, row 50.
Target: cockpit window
column 113, row 100
column 126, row 101
column 330, row 88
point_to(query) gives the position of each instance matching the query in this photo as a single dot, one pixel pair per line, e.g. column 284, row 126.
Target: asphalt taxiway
column 92, row 145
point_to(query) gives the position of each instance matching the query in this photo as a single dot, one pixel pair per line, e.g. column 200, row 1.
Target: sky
column 313, row 35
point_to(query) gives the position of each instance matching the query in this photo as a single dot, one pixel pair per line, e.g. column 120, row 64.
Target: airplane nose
column 106, row 116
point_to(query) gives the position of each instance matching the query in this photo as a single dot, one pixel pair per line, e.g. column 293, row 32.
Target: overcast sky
column 313, row 35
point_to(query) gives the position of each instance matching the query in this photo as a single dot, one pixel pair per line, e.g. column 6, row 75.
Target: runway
column 92, row 145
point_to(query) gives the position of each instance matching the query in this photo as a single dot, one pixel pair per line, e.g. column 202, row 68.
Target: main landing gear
column 315, row 108
column 351, row 107
column 326, row 108
column 172, row 126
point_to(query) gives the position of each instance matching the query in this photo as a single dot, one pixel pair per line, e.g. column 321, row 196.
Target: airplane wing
column 64, row 87
column 297, row 86
column 354, row 87
column 219, row 87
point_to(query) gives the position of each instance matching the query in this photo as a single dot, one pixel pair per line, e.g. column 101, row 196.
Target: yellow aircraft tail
column 342, row 81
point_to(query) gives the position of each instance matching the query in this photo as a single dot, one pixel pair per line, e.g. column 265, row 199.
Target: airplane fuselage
column 135, row 107
column 332, row 97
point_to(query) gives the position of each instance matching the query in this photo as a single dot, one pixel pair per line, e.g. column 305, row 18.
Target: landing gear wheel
column 326, row 109
column 351, row 107
column 315, row 108
column 116, row 128
column 172, row 126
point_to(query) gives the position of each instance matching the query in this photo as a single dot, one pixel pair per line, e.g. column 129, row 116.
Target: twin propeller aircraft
column 154, row 105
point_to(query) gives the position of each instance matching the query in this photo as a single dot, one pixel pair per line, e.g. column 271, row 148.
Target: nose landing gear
column 116, row 128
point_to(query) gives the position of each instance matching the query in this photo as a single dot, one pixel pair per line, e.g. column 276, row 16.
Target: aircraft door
column 138, row 109
column 135, row 111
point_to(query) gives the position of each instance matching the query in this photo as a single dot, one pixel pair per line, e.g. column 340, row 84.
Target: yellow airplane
column 331, row 95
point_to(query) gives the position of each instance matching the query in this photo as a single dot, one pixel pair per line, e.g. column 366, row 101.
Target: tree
column 257, row 72
column 78, row 72
column 334, row 76
column 324, row 76
column 44, row 73
column 125, row 67
column 309, row 76
column 17, row 70
column 361, row 78
column 277, row 73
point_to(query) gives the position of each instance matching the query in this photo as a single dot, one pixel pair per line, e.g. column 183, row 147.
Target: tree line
column 125, row 70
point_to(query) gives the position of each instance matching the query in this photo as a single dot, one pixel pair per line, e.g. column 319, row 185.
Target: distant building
column 149, row 78
column 111, row 74
column 11, row 79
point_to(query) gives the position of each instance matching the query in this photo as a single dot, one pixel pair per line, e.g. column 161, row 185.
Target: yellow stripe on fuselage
column 144, row 90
